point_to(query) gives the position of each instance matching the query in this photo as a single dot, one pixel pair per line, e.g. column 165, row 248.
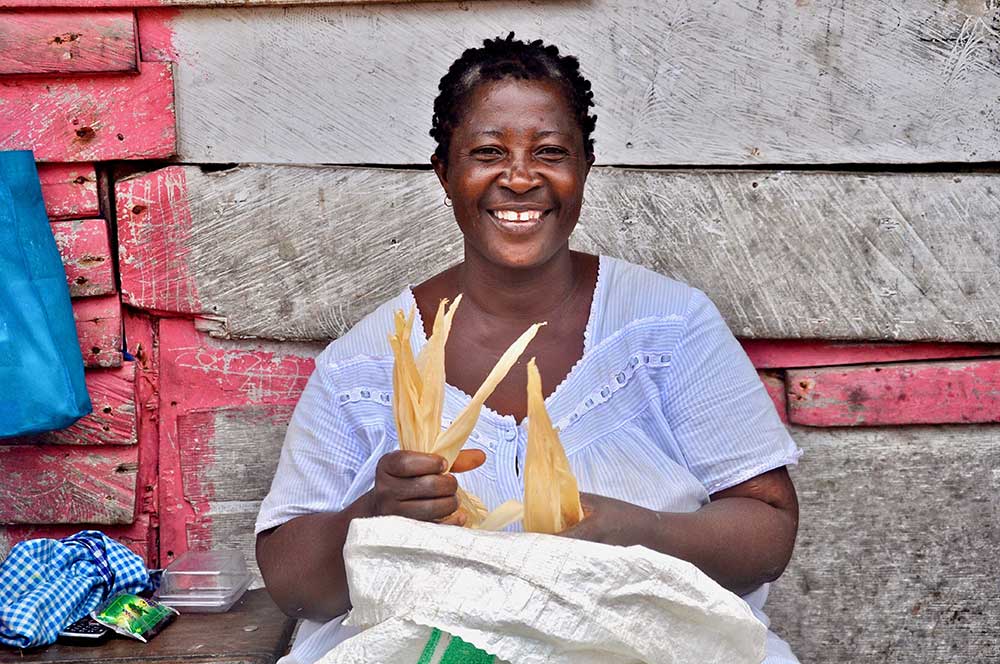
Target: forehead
column 514, row 104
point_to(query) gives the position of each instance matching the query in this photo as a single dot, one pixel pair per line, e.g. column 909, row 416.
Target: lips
column 518, row 222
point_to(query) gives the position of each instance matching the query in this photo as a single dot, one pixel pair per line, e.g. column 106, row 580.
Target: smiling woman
column 667, row 427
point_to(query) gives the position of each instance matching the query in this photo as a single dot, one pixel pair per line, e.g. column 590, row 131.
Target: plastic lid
column 205, row 577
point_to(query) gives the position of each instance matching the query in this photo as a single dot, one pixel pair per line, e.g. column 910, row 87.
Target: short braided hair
column 502, row 58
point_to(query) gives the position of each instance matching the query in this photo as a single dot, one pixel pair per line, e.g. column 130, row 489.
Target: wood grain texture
column 788, row 353
column 774, row 383
column 68, row 42
column 909, row 393
column 254, row 385
column 113, row 420
column 63, row 484
column 86, row 256
column 891, row 563
column 675, row 82
column 137, row 536
column 90, row 118
column 69, row 190
column 99, row 329
column 286, row 252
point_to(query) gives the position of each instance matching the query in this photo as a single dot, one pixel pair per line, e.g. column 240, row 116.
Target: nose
column 519, row 175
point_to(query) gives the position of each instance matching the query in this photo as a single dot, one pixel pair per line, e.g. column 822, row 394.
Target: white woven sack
column 534, row 599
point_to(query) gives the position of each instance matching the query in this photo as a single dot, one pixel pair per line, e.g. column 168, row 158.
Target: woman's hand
column 609, row 521
column 417, row 486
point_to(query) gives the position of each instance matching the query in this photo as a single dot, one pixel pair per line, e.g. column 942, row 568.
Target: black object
column 85, row 631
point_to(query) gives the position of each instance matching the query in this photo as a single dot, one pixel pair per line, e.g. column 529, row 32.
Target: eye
column 552, row 153
column 487, row 152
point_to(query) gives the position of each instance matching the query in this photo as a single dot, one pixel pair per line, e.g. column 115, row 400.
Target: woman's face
column 516, row 171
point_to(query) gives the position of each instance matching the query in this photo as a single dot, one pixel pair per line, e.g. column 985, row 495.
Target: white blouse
column 663, row 409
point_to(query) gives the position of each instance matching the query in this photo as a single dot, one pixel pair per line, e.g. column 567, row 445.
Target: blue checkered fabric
column 46, row 584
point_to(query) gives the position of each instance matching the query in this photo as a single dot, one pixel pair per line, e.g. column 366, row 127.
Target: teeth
column 511, row 215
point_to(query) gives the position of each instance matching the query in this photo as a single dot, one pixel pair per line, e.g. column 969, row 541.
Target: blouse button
column 509, row 435
column 620, row 377
column 664, row 358
column 384, row 397
column 605, row 391
column 632, row 361
column 365, row 394
column 344, row 398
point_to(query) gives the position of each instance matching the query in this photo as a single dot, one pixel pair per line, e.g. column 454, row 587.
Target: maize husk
column 418, row 398
column 551, row 496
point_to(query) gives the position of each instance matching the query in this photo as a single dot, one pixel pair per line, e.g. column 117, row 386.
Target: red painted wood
column 141, row 332
column 917, row 393
column 70, row 42
column 86, row 255
column 69, row 190
column 113, row 420
column 200, row 373
column 156, row 35
column 66, row 484
column 99, row 329
column 774, row 383
column 154, row 226
column 90, row 118
column 138, row 536
column 789, row 353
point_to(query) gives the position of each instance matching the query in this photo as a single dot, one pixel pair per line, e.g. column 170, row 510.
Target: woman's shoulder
column 366, row 345
column 628, row 293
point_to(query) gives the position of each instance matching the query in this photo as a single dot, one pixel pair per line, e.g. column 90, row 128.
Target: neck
column 518, row 293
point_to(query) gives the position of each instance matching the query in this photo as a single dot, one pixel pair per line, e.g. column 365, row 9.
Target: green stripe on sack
column 457, row 652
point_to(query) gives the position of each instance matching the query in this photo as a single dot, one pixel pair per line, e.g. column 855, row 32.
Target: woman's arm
column 302, row 560
column 742, row 538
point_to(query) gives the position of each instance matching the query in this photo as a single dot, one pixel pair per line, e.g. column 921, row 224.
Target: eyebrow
column 496, row 133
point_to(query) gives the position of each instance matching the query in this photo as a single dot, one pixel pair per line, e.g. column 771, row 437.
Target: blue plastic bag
column 41, row 368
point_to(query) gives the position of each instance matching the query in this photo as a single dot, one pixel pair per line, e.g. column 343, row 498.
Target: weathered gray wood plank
column 676, row 82
column 287, row 252
column 228, row 458
column 895, row 560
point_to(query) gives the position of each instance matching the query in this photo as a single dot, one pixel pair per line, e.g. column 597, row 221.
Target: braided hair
column 501, row 58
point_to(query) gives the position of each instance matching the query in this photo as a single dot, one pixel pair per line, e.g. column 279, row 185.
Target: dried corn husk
column 418, row 397
column 551, row 497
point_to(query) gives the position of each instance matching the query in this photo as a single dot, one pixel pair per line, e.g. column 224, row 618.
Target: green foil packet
column 134, row 616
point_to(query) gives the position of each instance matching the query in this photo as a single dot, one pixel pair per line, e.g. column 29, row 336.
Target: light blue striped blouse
column 663, row 409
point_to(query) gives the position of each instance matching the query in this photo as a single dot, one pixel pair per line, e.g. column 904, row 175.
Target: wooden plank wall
column 825, row 170
column 74, row 90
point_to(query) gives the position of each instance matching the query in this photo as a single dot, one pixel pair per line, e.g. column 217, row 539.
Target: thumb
column 468, row 460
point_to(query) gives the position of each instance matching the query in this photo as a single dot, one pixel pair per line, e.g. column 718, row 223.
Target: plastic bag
column 530, row 598
column 41, row 368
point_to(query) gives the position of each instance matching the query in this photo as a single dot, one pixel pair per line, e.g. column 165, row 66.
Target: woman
column 669, row 431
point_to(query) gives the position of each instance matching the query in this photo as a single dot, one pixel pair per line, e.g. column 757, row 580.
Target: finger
column 468, row 460
column 455, row 519
column 581, row 531
column 421, row 488
column 428, row 510
column 411, row 464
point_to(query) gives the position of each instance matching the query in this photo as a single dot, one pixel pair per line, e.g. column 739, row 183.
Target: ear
column 441, row 170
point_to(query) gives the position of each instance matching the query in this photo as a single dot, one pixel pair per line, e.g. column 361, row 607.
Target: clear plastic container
column 204, row 581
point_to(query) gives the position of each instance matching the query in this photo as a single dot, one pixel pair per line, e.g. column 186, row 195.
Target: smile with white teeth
column 511, row 215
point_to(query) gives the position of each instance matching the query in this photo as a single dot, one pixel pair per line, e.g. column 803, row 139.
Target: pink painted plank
column 154, row 229
column 917, row 393
column 71, row 42
column 138, row 536
column 69, row 190
column 789, row 353
column 156, row 35
column 62, row 484
column 99, row 329
column 90, row 118
column 141, row 332
column 774, row 383
column 198, row 373
column 86, row 255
